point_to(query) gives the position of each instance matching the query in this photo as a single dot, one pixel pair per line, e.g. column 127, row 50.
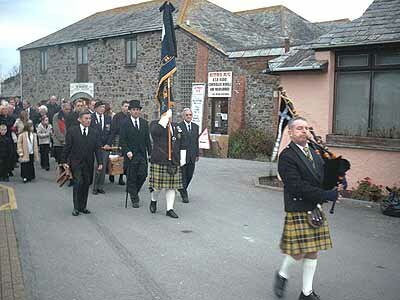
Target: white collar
column 82, row 127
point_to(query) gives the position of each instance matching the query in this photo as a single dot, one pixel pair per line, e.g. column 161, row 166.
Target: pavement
column 224, row 245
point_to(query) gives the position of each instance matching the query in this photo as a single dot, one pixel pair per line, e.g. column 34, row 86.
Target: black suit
column 79, row 152
column 105, row 139
column 138, row 142
column 190, row 143
column 301, row 178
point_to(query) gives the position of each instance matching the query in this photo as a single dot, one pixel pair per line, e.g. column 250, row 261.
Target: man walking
column 102, row 124
column 81, row 146
column 190, row 145
column 117, row 122
column 301, row 170
column 136, row 145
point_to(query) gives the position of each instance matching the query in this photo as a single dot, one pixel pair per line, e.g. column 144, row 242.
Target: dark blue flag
column 168, row 55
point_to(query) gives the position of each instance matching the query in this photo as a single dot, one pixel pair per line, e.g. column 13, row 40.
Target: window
column 43, row 61
column 130, row 51
column 219, row 113
column 367, row 102
column 82, row 61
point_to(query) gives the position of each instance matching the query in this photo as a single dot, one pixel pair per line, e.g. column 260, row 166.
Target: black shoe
column 184, row 196
column 75, row 212
column 111, row 178
column 47, row 169
column 95, row 192
column 312, row 296
column 279, row 285
column 172, row 214
column 85, row 211
column 71, row 183
column 135, row 204
column 101, row 191
column 121, row 181
column 153, row 207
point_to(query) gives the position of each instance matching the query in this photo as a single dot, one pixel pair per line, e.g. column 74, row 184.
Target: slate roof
column 216, row 26
column 300, row 58
column 282, row 22
column 225, row 30
column 379, row 24
column 131, row 19
column 328, row 26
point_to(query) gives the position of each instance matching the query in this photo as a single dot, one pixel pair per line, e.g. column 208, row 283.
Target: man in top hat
column 190, row 144
column 301, row 170
column 101, row 123
column 136, row 145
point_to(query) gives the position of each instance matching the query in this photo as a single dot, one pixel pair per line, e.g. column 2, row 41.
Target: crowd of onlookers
column 30, row 133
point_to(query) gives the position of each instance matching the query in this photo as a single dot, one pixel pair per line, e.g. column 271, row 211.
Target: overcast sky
column 24, row 21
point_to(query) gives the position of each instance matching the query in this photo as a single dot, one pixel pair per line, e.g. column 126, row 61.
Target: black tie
column 189, row 129
column 101, row 122
column 136, row 124
column 84, row 131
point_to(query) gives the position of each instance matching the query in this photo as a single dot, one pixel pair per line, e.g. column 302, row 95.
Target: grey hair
column 291, row 121
column 186, row 109
column 43, row 107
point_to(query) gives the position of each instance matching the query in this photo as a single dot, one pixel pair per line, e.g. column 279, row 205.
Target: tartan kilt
column 299, row 237
column 161, row 179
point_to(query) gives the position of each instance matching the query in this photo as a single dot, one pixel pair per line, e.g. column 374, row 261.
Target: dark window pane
column 219, row 120
column 387, row 58
column 83, row 75
column 79, row 55
column 352, row 103
column 386, row 109
column 359, row 60
column 133, row 56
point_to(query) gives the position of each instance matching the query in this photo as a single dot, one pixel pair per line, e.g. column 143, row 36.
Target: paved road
column 224, row 245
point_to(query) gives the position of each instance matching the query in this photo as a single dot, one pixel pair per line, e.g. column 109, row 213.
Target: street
column 223, row 246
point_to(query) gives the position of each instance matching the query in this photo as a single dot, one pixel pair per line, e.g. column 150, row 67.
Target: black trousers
column 136, row 176
column 187, row 174
column 58, row 153
column 4, row 168
column 28, row 169
column 81, row 179
column 44, row 155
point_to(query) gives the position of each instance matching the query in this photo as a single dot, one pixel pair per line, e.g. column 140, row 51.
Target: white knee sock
column 309, row 267
column 154, row 195
column 288, row 261
column 170, row 197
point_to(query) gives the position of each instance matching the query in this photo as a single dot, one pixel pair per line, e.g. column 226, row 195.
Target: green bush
column 250, row 143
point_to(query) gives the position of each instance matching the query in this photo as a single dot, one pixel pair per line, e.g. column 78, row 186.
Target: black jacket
column 6, row 148
column 302, row 183
column 105, row 133
column 52, row 109
column 190, row 141
column 159, row 135
column 79, row 151
column 117, row 122
column 135, row 141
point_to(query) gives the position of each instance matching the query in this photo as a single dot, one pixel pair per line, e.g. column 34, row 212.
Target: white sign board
column 197, row 103
column 204, row 140
column 81, row 87
column 220, row 84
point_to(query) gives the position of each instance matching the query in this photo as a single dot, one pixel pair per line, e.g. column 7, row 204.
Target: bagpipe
column 335, row 167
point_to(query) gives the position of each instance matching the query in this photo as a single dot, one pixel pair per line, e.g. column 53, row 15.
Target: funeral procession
column 200, row 150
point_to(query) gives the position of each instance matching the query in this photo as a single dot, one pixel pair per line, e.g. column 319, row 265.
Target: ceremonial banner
column 168, row 55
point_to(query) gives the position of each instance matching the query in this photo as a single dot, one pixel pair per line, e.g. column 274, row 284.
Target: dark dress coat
column 105, row 132
column 134, row 140
column 190, row 141
column 79, row 151
column 302, row 182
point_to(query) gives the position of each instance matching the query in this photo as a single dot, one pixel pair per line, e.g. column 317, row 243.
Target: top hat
column 99, row 103
column 134, row 104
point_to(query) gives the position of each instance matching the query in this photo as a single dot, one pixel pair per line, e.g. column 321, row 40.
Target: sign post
column 197, row 103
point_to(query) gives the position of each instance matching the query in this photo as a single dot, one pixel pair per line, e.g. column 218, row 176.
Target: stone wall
column 114, row 81
column 11, row 87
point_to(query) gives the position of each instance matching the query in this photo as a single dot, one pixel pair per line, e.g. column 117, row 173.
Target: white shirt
column 82, row 127
column 30, row 143
column 187, row 125
column 137, row 122
column 302, row 149
column 102, row 120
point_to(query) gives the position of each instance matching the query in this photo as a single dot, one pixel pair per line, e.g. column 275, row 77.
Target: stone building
column 10, row 87
column 118, row 52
